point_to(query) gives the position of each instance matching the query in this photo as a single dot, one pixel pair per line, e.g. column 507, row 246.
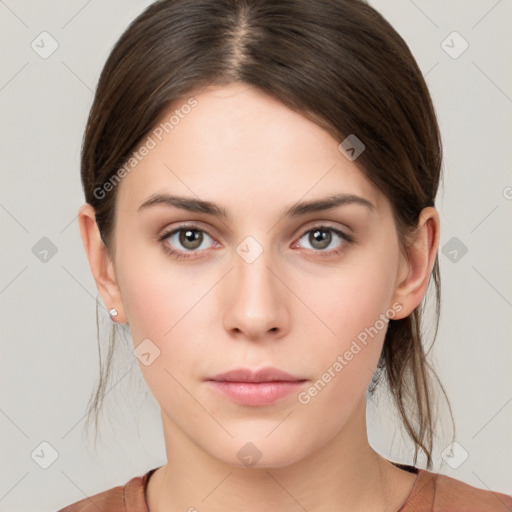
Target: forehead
column 236, row 144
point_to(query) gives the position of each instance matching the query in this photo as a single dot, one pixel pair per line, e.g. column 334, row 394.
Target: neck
column 345, row 474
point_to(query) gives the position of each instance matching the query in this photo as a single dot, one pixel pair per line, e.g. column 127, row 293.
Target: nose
column 256, row 303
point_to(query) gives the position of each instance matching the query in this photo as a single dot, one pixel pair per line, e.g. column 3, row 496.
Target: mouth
column 256, row 388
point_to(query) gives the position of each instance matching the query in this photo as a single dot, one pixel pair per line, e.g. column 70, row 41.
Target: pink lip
column 256, row 388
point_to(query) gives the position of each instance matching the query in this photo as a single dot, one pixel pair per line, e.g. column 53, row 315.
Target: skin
column 291, row 308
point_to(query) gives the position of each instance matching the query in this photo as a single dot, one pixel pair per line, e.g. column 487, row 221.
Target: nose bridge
column 255, row 306
column 252, row 272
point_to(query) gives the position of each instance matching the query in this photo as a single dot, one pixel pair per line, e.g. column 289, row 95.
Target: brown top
column 431, row 492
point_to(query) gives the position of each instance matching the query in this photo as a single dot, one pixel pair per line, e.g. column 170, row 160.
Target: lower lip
column 256, row 393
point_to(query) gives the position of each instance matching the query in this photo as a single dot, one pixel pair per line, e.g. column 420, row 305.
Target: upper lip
column 267, row 374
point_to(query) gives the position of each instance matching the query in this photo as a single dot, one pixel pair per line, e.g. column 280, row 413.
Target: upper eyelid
column 171, row 231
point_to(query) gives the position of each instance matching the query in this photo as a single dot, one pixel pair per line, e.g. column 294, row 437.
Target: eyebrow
column 209, row 208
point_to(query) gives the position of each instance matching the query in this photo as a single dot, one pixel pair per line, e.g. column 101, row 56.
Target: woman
column 260, row 180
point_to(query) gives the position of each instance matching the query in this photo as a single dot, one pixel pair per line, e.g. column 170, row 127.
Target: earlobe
column 100, row 262
column 421, row 257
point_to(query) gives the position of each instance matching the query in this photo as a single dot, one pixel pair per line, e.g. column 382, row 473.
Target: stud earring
column 112, row 313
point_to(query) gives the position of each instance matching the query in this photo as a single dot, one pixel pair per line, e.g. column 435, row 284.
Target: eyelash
column 181, row 255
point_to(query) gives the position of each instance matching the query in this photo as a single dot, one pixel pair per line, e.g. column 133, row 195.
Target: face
column 307, row 292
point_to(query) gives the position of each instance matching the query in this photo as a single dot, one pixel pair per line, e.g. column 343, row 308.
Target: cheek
column 355, row 307
column 155, row 292
column 350, row 303
column 163, row 324
column 163, row 305
column 348, row 359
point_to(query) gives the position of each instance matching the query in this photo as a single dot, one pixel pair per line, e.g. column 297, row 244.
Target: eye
column 189, row 237
column 321, row 237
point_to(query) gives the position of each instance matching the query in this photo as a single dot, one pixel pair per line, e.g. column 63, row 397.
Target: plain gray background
column 49, row 362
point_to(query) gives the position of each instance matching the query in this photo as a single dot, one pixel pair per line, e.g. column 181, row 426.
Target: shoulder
column 434, row 492
column 123, row 498
column 108, row 501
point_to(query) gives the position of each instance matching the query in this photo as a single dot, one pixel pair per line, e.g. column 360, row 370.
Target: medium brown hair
column 338, row 63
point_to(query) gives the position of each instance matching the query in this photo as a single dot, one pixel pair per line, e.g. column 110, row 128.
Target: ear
column 416, row 268
column 100, row 262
